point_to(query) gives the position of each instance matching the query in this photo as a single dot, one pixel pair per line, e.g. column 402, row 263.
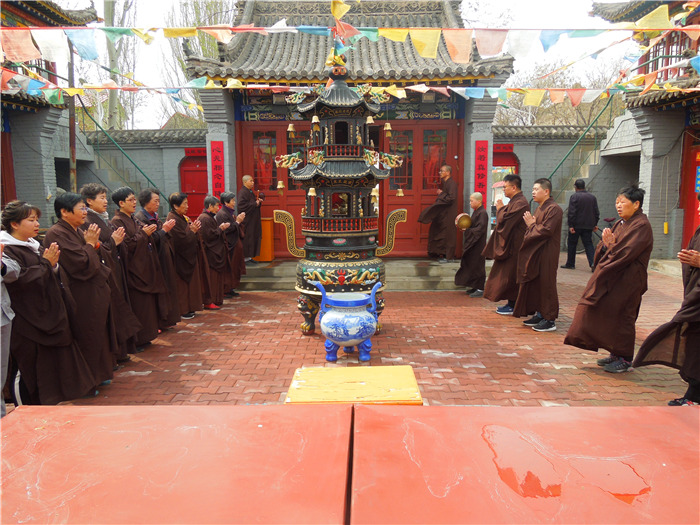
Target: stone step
column 401, row 275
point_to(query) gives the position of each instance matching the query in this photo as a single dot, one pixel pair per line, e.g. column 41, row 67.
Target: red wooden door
column 261, row 143
column 425, row 147
column 194, row 182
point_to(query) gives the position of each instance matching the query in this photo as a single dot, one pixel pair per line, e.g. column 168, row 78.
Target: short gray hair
column 478, row 196
column 246, row 178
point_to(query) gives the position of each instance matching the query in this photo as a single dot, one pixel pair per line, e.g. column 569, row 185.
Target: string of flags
column 21, row 45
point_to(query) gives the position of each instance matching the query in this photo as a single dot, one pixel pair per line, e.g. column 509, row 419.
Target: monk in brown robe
column 214, row 241
column 249, row 204
column 149, row 199
column 236, row 263
column 126, row 323
column 504, row 244
column 442, row 240
column 472, row 267
column 144, row 276
column 186, row 245
column 677, row 343
column 538, row 261
column 50, row 365
column 87, row 281
column 607, row 312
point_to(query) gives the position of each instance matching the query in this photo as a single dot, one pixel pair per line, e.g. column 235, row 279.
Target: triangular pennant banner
column 339, row 8
column 459, row 44
column 475, row 92
column 115, row 33
column 490, row 42
column 557, row 95
column 549, row 37
column 575, row 96
column 591, row 95
column 397, row 35
column 372, row 33
column 84, row 42
column 281, row 27
column 222, row 35
column 345, row 30
column 520, row 43
column 52, row 44
column 18, row 46
column 657, row 19
column 533, row 97
column 426, row 41
column 179, row 32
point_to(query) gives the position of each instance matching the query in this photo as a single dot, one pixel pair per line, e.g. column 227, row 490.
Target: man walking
column 504, row 244
column 472, row 268
column 538, row 260
column 583, row 220
column 442, row 241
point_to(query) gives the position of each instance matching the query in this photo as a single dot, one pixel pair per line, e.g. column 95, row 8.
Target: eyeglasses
column 131, row 199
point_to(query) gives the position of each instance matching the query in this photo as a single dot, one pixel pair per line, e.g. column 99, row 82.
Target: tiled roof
column 150, row 136
column 58, row 16
column 546, row 132
column 338, row 95
column 624, row 11
column 353, row 169
column 301, row 56
column 662, row 97
column 199, row 136
column 22, row 99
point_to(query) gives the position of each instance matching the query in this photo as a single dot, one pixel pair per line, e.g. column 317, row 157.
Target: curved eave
column 347, row 169
column 320, row 101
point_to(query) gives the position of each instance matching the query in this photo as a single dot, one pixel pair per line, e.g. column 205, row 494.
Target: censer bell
column 280, row 187
column 399, row 192
column 312, row 191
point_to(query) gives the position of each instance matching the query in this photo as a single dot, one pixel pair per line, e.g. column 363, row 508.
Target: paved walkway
column 462, row 352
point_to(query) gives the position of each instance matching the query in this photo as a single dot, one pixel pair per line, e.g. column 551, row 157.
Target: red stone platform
column 525, row 465
column 204, row 464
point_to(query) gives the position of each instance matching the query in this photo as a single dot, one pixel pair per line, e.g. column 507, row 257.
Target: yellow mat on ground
column 379, row 385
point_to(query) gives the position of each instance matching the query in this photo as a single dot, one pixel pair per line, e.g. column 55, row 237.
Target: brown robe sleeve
column 548, row 221
column 214, row 241
column 80, row 260
column 185, row 245
column 140, row 257
column 510, row 229
column 477, row 231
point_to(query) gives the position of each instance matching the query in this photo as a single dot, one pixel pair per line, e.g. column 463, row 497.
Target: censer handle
column 323, row 295
column 373, row 307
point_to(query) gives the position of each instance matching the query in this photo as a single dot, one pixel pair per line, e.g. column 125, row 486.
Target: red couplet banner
column 481, row 166
column 217, row 167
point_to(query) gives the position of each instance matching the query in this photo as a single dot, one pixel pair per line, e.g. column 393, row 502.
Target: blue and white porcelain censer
column 348, row 320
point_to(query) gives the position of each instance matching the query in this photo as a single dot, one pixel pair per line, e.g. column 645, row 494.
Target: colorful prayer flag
column 425, row 41
column 18, row 46
column 459, row 44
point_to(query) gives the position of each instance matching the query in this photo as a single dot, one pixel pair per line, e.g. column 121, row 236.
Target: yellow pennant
column 339, row 8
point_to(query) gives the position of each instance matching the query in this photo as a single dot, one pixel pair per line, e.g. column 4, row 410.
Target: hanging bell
column 399, row 192
column 291, row 130
column 387, row 130
column 312, row 191
column 370, row 120
column 280, row 188
column 315, row 123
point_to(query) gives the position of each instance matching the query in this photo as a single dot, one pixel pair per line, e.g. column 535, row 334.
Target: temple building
column 657, row 141
column 247, row 128
column 35, row 145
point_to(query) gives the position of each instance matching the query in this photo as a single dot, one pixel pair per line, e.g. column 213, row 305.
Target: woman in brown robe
column 472, row 267
column 607, row 312
column 86, row 279
column 236, row 262
column 214, row 242
column 51, row 367
column 504, row 244
column 150, row 202
column 126, row 323
column 143, row 274
column 677, row 343
column 186, row 245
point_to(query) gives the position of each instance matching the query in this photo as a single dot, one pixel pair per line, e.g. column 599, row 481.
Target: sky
column 525, row 14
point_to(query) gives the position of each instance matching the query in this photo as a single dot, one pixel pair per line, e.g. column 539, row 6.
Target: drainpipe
column 73, row 165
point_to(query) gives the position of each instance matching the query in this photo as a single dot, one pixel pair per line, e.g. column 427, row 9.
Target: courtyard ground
column 462, row 353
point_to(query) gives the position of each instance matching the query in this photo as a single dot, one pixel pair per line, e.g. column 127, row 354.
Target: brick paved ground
column 462, row 352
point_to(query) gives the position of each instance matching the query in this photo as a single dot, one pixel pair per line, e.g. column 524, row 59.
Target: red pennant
column 575, row 96
column 7, row 74
column 345, row 30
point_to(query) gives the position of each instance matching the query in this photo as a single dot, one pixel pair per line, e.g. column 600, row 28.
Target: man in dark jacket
column 583, row 220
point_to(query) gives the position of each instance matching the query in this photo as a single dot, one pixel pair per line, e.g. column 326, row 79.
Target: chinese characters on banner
column 217, row 167
column 481, row 165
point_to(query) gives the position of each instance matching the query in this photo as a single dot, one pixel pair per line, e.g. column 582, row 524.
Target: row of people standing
column 99, row 290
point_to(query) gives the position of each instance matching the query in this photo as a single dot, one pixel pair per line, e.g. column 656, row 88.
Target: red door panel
column 194, row 182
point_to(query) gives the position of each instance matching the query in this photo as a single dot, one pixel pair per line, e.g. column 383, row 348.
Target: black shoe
column 252, row 262
column 470, row 290
column 477, row 293
column 188, row 315
column 606, row 360
column 568, row 267
column 682, row 402
column 619, row 365
column 533, row 321
column 232, row 293
column 545, row 326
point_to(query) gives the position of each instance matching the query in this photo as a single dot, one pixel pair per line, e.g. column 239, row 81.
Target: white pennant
column 53, row 45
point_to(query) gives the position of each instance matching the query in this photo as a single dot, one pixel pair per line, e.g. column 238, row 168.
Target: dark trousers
column 572, row 241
